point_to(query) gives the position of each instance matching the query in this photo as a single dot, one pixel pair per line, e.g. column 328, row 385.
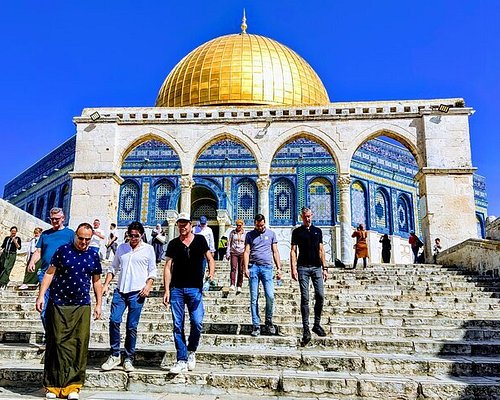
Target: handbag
column 161, row 238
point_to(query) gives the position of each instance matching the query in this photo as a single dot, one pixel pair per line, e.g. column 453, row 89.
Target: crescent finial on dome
column 244, row 23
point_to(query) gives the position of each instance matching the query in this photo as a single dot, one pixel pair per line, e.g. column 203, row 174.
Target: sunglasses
column 134, row 235
column 55, row 219
column 84, row 239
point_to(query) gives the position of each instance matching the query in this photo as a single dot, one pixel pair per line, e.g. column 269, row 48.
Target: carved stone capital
column 263, row 182
column 186, row 182
column 344, row 181
column 172, row 216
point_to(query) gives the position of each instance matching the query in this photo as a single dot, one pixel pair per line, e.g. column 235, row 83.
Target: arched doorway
column 205, row 202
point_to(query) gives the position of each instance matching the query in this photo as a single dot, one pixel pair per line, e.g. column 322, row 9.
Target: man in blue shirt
column 261, row 248
column 49, row 242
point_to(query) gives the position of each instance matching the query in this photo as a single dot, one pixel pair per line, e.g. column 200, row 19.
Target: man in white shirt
column 135, row 264
column 203, row 229
column 97, row 237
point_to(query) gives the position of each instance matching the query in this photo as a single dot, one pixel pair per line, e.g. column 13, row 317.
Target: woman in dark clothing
column 386, row 249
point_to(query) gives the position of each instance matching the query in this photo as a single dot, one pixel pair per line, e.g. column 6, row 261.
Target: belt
column 309, row 266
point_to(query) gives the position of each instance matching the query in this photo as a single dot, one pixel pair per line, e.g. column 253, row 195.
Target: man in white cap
column 183, row 279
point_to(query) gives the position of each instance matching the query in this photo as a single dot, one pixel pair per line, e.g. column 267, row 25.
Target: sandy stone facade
column 439, row 142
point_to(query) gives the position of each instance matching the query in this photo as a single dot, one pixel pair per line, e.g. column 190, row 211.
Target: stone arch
column 204, row 144
column 129, row 147
column 403, row 136
column 306, row 132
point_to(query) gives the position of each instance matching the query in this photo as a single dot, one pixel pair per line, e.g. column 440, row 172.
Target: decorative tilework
column 404, row 220
column 381, row 210
column 163, row 191
column 282, row 200
column 358, row 204
column 320, row 201
column 129, row 202
column 246, row 204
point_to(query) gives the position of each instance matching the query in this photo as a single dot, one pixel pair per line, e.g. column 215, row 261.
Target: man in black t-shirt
column 183, row 279
column 309, row 264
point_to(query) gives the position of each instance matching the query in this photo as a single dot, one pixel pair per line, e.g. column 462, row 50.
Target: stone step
column 305, row 359
column 286, row 382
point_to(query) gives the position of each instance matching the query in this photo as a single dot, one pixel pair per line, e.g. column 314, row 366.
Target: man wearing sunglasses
column 183, row 278
column 135, row 264
column 50, row 240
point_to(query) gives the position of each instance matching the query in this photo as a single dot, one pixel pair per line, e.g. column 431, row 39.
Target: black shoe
column 306, row 338
column 255, row 331
column 318, row 330
column 271, row 329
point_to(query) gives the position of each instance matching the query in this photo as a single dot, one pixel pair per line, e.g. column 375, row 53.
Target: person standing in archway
column 361, row 247
column 386, row 249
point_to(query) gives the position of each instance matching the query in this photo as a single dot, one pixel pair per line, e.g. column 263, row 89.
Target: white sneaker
column 232, row 288
column 238, row 289
column 178, row 367
column 191, row 362
column 73, row 396
column 50, row 395
column 111, row 362
column 23, row 287
column 128, row 366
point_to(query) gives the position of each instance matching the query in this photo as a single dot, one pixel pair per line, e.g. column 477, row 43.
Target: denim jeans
column 193, row 299
column 119, row 303
column 40, row 274
column 316, row 275
column 264, row 274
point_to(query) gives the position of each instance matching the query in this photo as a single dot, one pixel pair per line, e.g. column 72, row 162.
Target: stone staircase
column 394, row 332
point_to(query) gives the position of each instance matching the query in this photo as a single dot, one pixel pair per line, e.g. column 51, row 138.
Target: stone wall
column 493, row 229
column 12, row 216
column 477, row 255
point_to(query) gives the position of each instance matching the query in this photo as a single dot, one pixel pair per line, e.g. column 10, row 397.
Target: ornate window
column 51, row 202
column 39, row 208
column 30, row 208
column 381, row 210
column 283, row 204
column 404, row 214
column 163, row 191
column 128, row 209
column 246, row 203
column 207, row 209
column 320, row 200
column 64, row 199
column 358, row 204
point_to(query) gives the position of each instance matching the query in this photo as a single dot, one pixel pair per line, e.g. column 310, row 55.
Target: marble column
column 344, row 185
column 171, row 218
column 187, row 184
column 263, row 183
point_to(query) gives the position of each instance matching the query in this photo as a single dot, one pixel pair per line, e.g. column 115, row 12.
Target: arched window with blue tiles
column 246, row 201
column 480, row 226
column 283, row 202
column 321, row 201
column 404, row 221
column 162, row 192
column 64, row 198
column 40, row 205
column 128, row 207
column 381, row 211
column 358, row 204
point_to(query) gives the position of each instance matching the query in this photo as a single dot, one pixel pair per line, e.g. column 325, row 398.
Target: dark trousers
column 236, row 275
column 316, row 276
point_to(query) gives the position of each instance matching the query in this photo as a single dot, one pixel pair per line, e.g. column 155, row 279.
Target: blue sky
column 62, row 56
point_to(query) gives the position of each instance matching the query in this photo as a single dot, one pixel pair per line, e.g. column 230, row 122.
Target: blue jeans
column 40, row 274
column 193, row 299
column 316, row 275
column 263, row 273
column 119, row 303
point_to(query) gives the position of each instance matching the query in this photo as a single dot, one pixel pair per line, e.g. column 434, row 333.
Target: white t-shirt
column 96, row 240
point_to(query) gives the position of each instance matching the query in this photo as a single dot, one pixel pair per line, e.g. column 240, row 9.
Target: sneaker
column 50, row 395
column 255, row 331
column 238, row 290
column 306, row 338
column 111, row 362
column 271, row 329
column 128, row 366
column 74, row 396
column 178, row 367
column 191, row 362
column 318, row 330
column 23, row 287
column 232, row 288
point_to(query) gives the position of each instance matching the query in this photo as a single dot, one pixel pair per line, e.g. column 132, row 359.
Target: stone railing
column 476, row 255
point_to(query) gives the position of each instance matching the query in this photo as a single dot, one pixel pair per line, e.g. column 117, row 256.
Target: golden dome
column 242, row 69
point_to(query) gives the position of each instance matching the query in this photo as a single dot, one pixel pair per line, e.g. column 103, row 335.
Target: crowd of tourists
column 67, row 265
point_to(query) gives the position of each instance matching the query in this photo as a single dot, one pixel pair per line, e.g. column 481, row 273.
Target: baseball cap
column 183, row 216
column 203, row 219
